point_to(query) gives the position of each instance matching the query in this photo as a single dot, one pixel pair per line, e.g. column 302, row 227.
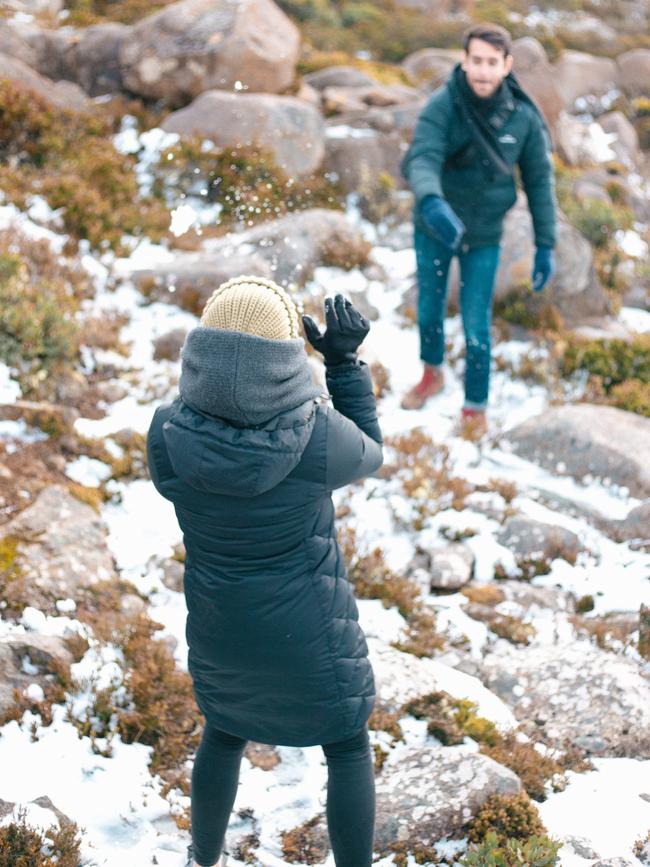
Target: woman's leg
column 351, row 800
column 214, row 785
column 478, row 268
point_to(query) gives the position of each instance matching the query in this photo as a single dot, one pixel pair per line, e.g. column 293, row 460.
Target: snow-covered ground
column 116, row 800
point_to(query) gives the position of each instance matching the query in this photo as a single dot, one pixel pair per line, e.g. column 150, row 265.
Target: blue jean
column 478, row 268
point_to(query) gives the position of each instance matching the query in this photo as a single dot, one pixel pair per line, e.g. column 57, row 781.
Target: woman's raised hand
column 345, row 331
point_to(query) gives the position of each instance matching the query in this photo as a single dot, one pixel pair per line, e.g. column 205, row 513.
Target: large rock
column 586, row 440
column 290, row 128
column 531, row 539
column 430, row 793
column 634, row 71
column 189, row 279
column 574, row 693
column 402, row 677
column 89, row 57
column 579, row 74
column 430, row 67
column 626, row 144
column 577, row 141
column 29, row 658
column 589, row 30
column 360, row 157
column 16, row 41
column 196, row 45
column 536, row 75
column 61, row 547
column 448, row 567
column 574, row 289
column 337, row 100
column 634, row 527
column 294, row 245
column 60, row 94
column 339, row 76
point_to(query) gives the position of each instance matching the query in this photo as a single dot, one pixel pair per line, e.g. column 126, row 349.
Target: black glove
column 442, row 221
column 345, row 331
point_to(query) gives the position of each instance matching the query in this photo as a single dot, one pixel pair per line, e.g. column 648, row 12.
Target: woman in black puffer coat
column 249, row 457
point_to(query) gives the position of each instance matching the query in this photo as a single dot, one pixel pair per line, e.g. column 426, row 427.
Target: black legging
column 350, row 796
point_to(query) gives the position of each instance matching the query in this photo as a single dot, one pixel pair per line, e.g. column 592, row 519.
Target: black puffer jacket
column 275, row 650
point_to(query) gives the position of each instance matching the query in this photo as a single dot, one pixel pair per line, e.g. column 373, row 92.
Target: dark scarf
column 486, row 117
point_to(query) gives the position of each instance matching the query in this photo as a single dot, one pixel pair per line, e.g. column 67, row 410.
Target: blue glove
column 543, row 268
column 441, row 221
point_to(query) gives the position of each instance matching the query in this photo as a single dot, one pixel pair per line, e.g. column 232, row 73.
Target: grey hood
column 245, row 413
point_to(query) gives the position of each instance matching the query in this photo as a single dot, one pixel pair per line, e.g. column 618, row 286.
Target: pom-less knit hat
column 252, row 305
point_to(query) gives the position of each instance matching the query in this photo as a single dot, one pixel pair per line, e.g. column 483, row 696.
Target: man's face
column 485, row 67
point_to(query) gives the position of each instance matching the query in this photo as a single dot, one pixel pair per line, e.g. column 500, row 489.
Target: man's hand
column 345, row 331
column 441, row 221
column 543, row 268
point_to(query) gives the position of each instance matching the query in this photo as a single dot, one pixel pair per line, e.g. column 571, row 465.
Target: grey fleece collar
column 242, row 378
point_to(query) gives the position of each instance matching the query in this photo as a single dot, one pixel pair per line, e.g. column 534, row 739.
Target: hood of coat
column 245, row 413
column 215, row 457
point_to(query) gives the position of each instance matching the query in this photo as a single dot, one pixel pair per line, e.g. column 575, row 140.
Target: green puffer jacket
column 443, row 161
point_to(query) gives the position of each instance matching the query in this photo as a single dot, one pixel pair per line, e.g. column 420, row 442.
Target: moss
column 307, row 844
column 484, row 594
column 90, row 496
column 84, row 13
column 382, row 720
column 532, row 311
column 245, row 182
column 372, row 579
column 164, row 713
column 450, row 720
column 12, row 581
column 24, row 846
column 133, row 462
column 36, row 320
column 608, row 632
column 245, row 849
column 537, row 851
column 508, row 816
column 419, row 852
column 527, row 568
column 453, row 534
column 641, row 849
column 620, row 369
column 513, row 629
column 532, row 767
column 380, row 380
column 644, row 631
column 380, row 756
column 425, row 472
column 584, row 604
column 69, row 159
column 632, row 396
column 598, row 221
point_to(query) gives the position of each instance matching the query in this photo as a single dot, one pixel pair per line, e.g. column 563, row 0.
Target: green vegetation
column 245, row 182
column 24, row 846
column 68, row 158
column 534, row 852
column 619, row 370
column 84, row 13
column 451, row 719
column 510, row 817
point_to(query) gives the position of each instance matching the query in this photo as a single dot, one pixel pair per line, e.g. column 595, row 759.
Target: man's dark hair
column 493, row 34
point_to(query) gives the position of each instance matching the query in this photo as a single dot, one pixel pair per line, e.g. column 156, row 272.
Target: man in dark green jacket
column 472, row 135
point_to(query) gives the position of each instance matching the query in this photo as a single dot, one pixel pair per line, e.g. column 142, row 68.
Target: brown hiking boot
column 473, row 423
column 432, row 383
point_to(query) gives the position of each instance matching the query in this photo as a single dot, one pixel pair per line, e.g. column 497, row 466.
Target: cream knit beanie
column 252, row 305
